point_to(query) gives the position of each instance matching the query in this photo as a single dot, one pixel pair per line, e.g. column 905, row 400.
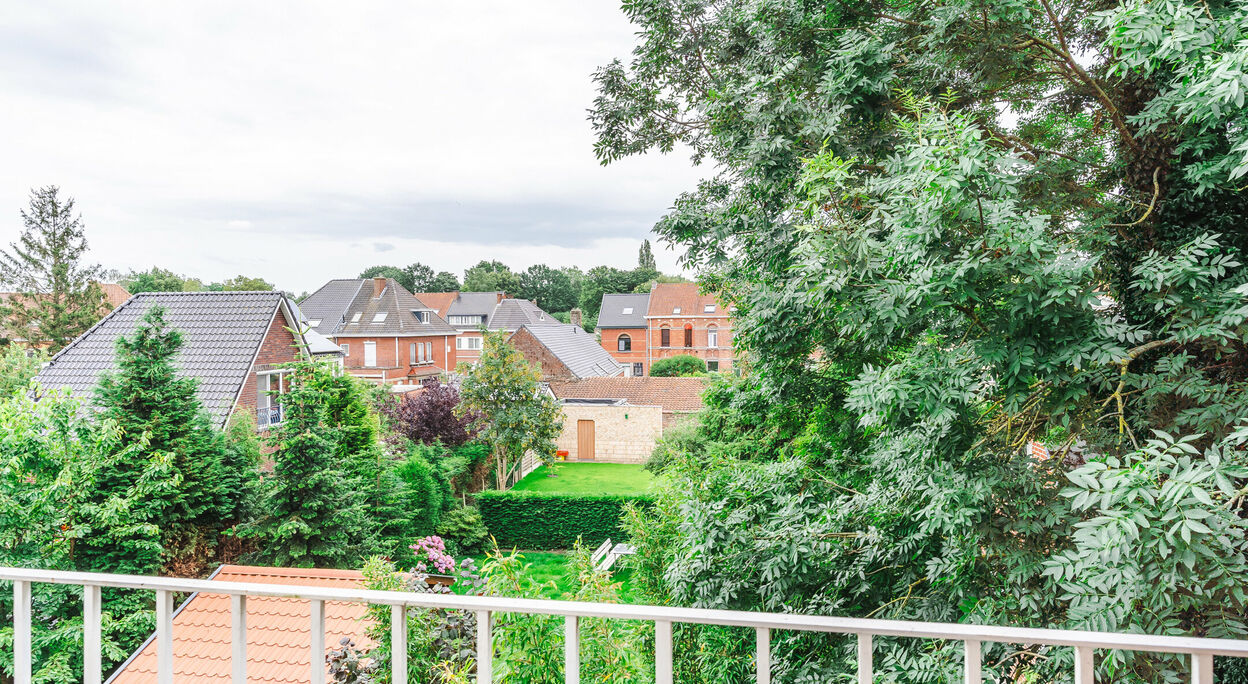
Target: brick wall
column 722, row 353
column 622, row 434
column 611, row 342
column 468, row 356
column 277, row 348
column 537, row 354
column 394, row 361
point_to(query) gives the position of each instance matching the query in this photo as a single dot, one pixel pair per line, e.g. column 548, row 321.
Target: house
column 622, row 325
column 564, row 352
column 234, row 345
column 114, row 296
column 470, row 312
column 619, row 419
column 681, row 320
column 277, row 630
column 387, row 334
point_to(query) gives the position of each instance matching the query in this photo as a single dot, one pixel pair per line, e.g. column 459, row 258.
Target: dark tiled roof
column 512, row 314
column 673, row 394
column 221, row 333
column 577, row 349
column 337, row 304
column 327, row 306
column 623, row 310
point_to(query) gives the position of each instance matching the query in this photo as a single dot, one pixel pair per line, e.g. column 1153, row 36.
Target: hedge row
column 546, row 520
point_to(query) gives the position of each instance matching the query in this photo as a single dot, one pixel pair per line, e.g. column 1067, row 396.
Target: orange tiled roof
column 666, row 297
column 114, row 294
column 438, row 301
column 278, row 630
column 673, row 394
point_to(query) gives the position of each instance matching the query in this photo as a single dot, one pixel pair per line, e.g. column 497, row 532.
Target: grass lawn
column 589, row 478
column 547, row 566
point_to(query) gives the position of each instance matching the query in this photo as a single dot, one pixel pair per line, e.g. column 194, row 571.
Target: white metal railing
column 1085, row 644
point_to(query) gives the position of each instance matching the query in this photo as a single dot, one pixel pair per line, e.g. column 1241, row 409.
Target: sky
column 303, row 141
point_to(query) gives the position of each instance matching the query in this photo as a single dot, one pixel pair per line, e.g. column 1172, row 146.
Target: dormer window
column 422, row 316
column 676, row 310
column 379, row 318
column 709, row 308
column 356, row 317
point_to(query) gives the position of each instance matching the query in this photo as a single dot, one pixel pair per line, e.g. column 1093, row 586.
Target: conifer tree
column 59, row 293
column 645, row 257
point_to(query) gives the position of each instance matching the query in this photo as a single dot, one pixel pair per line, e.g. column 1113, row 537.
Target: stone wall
column 622, row 434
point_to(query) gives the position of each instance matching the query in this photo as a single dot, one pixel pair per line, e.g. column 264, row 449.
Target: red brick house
column 677, row 320
column 388, row 334
column 622, row 327
column 470, row 312
column 234, row 344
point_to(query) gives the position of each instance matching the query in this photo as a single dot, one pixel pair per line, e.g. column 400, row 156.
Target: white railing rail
column 1201, row 650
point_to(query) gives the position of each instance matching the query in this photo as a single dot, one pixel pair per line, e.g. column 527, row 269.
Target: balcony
column 269, row 416
column 1201, row 651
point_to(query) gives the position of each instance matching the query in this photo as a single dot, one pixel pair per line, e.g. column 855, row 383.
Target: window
column 665, row 337
column 422, row 316
column 356, row 317
column 380, row 317
column 688, row 335
column 346, row 349
column 465, row 320
column 709, row 308
column 712, row 336
column 429, row 352
column 627, row 310
column 639, row 369
column 314, row 323
column 676, row 310
column 411, row 353
column 269, row 388
column 370, row 354
column 468, row 343
column 712, row 366
column 624, row 343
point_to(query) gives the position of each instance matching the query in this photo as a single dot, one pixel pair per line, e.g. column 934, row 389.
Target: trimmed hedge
column 549, row 520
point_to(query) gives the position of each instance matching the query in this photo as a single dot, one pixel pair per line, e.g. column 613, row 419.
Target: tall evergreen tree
column 645, row 257
column 59, row 293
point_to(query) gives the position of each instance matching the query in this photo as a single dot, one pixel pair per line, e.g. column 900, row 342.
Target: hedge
column 549, row 520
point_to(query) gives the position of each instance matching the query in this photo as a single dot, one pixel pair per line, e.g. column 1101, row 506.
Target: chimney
column 379, row 284
column 575, row 317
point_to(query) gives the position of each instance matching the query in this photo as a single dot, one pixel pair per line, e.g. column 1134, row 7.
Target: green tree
column 602, row 280
column 156, row 280
column 59, row 296
column 401, row 276
column 17, row 368
column 681, row 365
column 444, row 281
column 241, row 283
column 491, row 276
column 551, row 288
column 645, row 257
column 512, row 413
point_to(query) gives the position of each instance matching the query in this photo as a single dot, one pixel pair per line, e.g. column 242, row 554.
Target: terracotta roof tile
column 665, row 298
column 278, row 630
column 673, row 394
column 438, row 301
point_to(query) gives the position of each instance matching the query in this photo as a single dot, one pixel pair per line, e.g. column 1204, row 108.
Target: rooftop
column 371, row 307
column 624, row 310
column 577, row 349
column 675, row 395
column 682, row 299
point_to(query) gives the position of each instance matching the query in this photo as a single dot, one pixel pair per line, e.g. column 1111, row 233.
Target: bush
column 678, row 366
column 463, row 531
column 542, row 520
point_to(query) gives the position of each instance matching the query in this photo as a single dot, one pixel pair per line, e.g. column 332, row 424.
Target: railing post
column 22, row 646
column 762, row 655
column 572, row 650
column 866, row 669
column 398, row 644
column 973, row 673
column 1085, row 666
column 238, row 638
column 164, row 636
column 1202, row 668
column 662, row 652
column 91, row 669
column 485, row 648
column 318, row 642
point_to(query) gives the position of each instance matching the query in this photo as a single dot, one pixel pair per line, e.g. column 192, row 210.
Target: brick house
column 680, row 320
column 234, row 344
column 619, row 419
column 470, row 312
column 564, row 352
column 388, row 335
column 622, row 326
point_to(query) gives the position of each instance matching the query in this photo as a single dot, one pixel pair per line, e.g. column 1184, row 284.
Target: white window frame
column 346, row 349
column 708, row 308
column 379, row 317
column 356, row 317
column 619, row 342
column 627, row 310
column 265, row 398
column 314, row 323
column 468, row 343
column 712, row 337
column 370, row 346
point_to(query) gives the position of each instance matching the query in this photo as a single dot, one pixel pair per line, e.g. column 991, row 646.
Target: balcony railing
column 268, row 416
column 1085, row 644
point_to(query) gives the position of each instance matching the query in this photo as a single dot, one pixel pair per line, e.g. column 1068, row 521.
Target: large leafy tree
column 157, row 280
column 602, row 280
column 951, row 229
column 491, row 276
column 58, row 295
column 550, row 287
column 513, row 415
column 401, row 276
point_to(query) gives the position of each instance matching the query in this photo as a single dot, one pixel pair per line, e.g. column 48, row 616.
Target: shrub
column 677, row 366
column 463, row 530
column 429, row 416
column 542, row 520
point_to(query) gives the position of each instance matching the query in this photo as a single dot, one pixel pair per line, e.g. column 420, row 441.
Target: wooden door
column 585, row 440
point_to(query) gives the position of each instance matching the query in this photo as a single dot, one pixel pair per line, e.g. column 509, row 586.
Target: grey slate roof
column 611, row 314
column 512, row 314
column 336, row 304
column 474, row 304
column 577, row 349
column 221, row 333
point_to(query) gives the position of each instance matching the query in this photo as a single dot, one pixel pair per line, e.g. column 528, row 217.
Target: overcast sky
column 300, row 141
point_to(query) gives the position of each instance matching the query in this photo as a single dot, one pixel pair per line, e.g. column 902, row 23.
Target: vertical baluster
column 91, row 670
column 21, row 632
column 238, row 638
column 398, row 644
column 662, row 652
column 1085, row 670
column 866, row 669
column 762, row 654
column 973, row 674
column 1202, row 668
column 572, row 650
column 164, row 636
column 485, row 648
column 318, row 642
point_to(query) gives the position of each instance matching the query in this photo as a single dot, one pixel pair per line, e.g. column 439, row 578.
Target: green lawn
column 547, row 566
column 589, row 478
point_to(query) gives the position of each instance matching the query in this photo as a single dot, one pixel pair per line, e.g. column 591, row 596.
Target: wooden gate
column 585, row 440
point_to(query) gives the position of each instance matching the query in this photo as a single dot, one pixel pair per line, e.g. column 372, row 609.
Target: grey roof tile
column 512, row 314
column 623, row 310
column 577, row 349
column 336, row 304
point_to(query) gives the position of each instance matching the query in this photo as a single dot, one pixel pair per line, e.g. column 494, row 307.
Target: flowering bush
column 432, row 549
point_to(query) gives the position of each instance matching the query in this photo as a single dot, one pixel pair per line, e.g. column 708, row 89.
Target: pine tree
column 59, row 294
column 645, row 258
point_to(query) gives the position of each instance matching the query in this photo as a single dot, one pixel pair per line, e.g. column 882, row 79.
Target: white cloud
column 287, row 139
